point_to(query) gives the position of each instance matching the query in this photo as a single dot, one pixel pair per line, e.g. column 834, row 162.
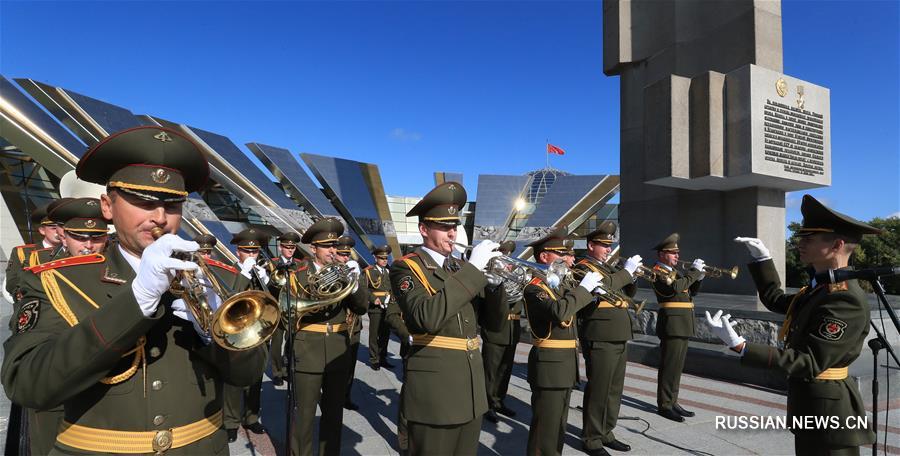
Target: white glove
column 247, row 265
column 756, row 247
column 354, row 269
column 591, row 281
column 699, row 265
column 262, row 274
column 723, row 328
column 155, row 270
column 633, row 263
column 482, row 253
column 553, row 281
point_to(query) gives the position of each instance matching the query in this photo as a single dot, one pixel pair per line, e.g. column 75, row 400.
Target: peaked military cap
column 324, row 232
column 441, row 205
column 554, row 241
column 289, row 239
column 41, row 215
column 345, row 244
column 152, row 163
column 250, row 239
column 381, row 251
column 604, row 234
column 570, row 246
column 669, row 244
column 81, row 216
column 507, row 247
column 817, row 218
column 206, row 241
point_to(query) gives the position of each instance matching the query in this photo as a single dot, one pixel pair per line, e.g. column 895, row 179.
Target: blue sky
column 415, row 87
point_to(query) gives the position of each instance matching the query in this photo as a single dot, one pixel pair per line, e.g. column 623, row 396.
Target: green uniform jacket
column 551, row 315
column 507, row 335
column 445, row 386
column 378, row 282
column 394, row 319
column 827, row 329
column 48, row 362
column 314, row 350
column 676, row 322
column 15, row 271
column 606, row 324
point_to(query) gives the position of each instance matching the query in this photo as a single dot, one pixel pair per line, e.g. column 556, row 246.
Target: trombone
column 243, row 320
column 714, row 272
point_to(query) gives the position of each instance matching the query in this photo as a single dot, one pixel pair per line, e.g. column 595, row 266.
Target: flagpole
column 547, row 152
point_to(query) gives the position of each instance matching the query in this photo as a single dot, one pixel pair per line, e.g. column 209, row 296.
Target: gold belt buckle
column 327, row 328
column 162, row 441
column 471, row 344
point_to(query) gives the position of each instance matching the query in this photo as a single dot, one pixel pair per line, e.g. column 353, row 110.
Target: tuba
column 243, row 321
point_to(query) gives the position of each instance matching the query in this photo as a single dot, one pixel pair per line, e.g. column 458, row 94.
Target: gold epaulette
column 90, row 258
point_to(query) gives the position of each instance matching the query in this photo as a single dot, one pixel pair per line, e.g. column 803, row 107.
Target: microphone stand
column 289, row 419
column 876, row 344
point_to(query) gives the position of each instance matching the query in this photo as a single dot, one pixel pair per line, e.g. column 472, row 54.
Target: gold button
column 158, row 420
column 156, row 385
column 154, row 352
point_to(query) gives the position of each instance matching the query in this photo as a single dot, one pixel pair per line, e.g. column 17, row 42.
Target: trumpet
column 243, row 321
column 652, row 276
column 277, row 275
column 714, row 272
column 611, row 296
column 514, row 274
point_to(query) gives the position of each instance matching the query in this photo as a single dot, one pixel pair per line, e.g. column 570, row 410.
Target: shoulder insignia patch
column 832, row 328
column 835, row 287
column 70, row 261
column 406, row 284
column 542, row 295
column 28, row 316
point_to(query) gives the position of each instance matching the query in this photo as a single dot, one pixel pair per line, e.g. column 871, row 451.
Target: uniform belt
column 326, row 328
column 380, row 293
column 676, row 305
column 112, row 441
column 835, row 373
column 452, row 343
column 554, row 343
column 513, row 317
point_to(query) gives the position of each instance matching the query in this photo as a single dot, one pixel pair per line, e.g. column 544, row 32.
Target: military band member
column 604, row 331
column 242, row 403
column 132, row 376
column 286, row 261
column 393, row 317
column 443, row 299
column 675, row 324
column 552, row 361
column 825, row 328
column 321, row 348
column 51, row 240
column 343, row 254
column 499, row 350
column 207, row 243
column 379, row 296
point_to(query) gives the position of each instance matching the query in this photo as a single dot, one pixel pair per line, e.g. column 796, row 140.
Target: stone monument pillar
column 712, row 133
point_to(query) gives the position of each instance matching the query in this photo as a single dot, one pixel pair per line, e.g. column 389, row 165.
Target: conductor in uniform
column 604, row 331
column 825, row 328
column 551, row 305
column 100, row 335
column 675, row 325
column 499, row 350
column 442, row 298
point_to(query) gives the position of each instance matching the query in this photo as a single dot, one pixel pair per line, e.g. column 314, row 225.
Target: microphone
column 841, row 275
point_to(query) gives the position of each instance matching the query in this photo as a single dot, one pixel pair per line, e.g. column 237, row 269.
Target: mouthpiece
column 157, row 232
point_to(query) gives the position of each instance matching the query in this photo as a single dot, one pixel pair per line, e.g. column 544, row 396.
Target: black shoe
column 277, row 381
column 504, row 410
column 232, row 435
column 597, row 452
column 670, row 414
column 685, row 413
column 491, row 416
column 375, row 367
column 349, row 405
column 618, row 446
column 387, row 364
column 255, row 428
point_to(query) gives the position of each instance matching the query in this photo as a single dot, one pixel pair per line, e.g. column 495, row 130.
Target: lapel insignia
column 112, row 277
column 832, row 329
column 28, row 316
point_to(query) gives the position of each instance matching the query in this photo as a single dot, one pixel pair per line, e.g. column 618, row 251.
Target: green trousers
column 240, row 405
column 328, row 390
column 549, row 414
column 605, row 362
column 433, row 440
column 498, row 365
column 673, row 351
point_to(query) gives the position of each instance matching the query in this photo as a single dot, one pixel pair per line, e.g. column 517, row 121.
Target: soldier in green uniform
column 51, row 239
column 604, row 331
column 393, row 317
column 287, row 263
column 550, row 305
column 499, row 350
column 322, row 347
column 379, row 296
column 675, row 324
column 343, row 254
column 242, row 403
column 443, row 396
column 100, row 334
column 825, row 328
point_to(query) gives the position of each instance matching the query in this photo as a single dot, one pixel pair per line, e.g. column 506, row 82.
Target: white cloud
column 894, row 215
column 404, row 135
